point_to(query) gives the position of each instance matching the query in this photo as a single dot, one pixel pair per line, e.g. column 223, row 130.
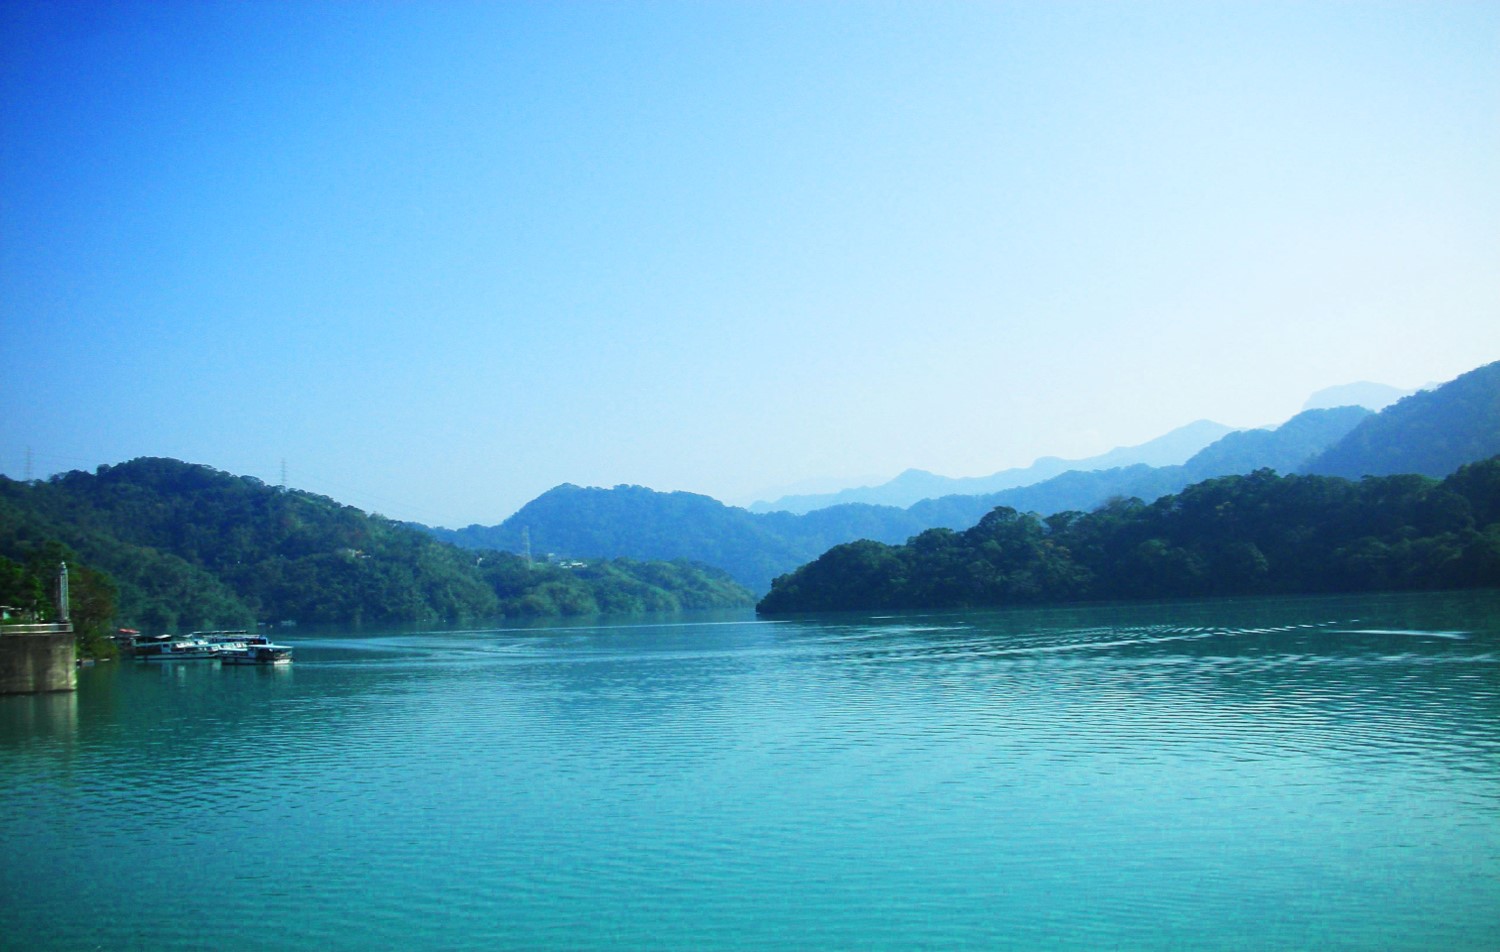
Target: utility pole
column 526, row 544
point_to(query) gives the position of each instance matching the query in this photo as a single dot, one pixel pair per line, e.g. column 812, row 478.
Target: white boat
column 159, row 649
column 257, row 652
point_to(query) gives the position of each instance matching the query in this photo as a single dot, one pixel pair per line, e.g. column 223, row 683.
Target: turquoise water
column 1246, row 774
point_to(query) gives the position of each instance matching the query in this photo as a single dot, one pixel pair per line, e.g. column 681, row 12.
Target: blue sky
column 440, row 257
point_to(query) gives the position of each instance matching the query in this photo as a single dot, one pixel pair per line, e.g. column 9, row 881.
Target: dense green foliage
column 154, row 588
column 1235, row 535
column 193, row 547
column 29, row 587
column 1432, row 432
column 609, row 587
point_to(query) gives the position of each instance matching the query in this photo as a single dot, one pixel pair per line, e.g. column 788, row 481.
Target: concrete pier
column 37, row 658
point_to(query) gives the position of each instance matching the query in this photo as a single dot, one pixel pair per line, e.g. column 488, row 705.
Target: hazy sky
column 440, row 257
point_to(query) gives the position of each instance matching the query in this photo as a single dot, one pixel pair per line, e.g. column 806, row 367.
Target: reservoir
column 1212, row 775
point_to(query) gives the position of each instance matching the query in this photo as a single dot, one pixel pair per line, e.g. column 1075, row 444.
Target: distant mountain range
column 914, row 485
column 1439, row 429
column 1284, row 449
column 1371, row 396
column 756, row 547
column 1174, row 448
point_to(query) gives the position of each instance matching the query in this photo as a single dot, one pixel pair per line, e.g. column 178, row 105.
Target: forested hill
column 1235, row 535
column 756, row 547
column 1432, row 432
column 187, row 546
column 586, row 523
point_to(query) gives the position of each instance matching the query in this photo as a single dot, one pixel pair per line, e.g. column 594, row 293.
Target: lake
column 1234, row 774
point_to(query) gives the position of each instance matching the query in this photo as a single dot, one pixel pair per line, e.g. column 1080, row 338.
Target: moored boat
column 257, row 652
column 166, row 649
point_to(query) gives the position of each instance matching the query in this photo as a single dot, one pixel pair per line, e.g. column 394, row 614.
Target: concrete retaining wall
column 35, row 658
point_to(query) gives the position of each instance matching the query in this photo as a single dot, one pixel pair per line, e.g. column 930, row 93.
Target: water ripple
column 1203, row 777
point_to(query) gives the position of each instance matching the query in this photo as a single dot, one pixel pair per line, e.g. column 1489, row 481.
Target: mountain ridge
column 914, row 485
column 1430, row 432
column 754, row 548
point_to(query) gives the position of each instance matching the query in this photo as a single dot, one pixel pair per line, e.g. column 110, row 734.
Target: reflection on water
column 38, row 717
column 1269, row 774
